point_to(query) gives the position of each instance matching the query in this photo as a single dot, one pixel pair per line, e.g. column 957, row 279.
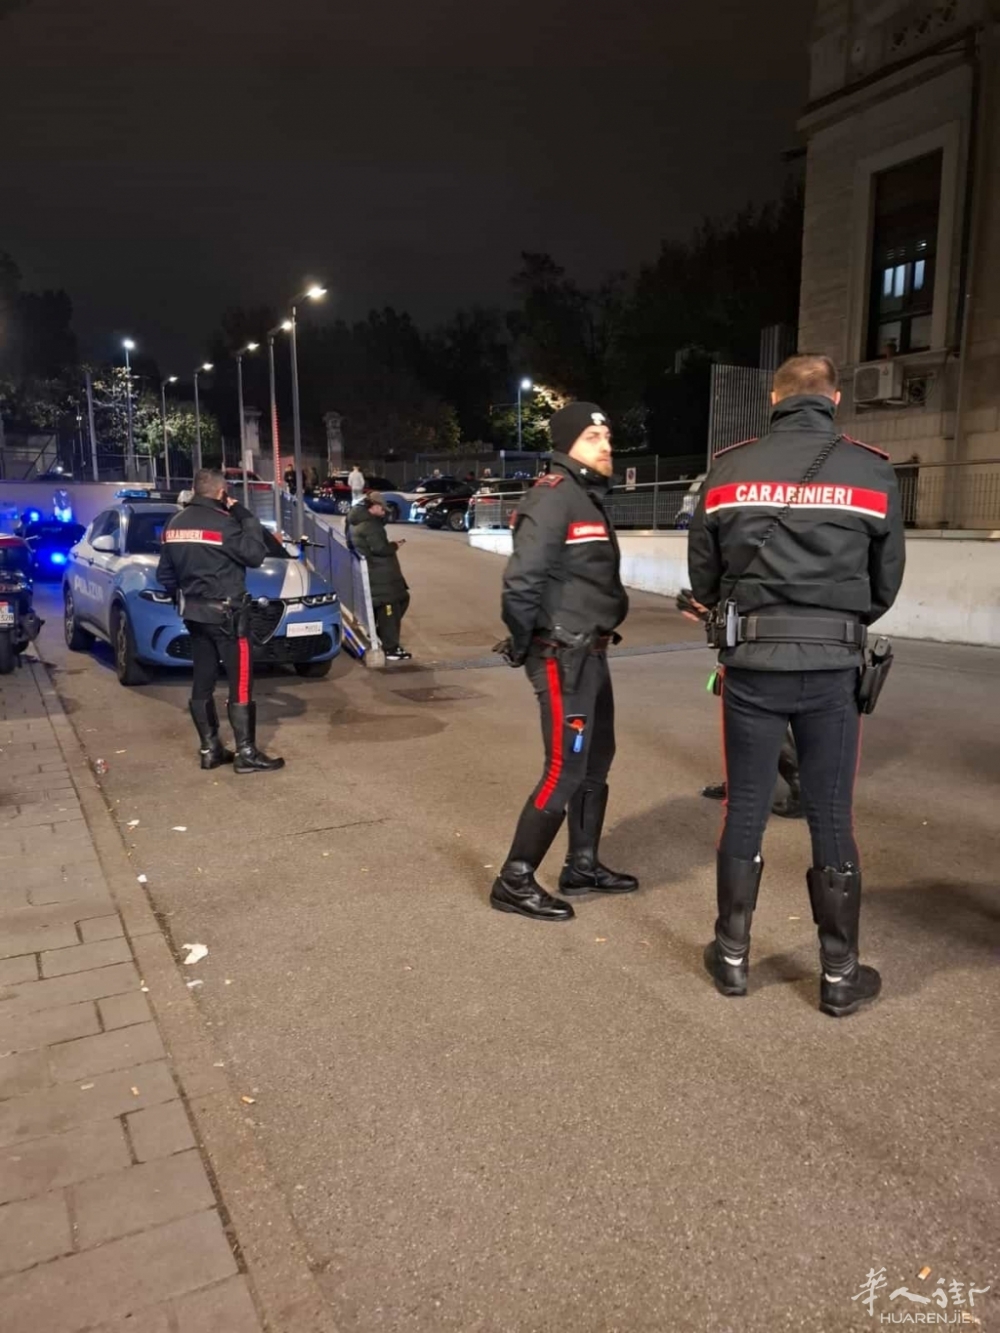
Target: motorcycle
column 19, row 624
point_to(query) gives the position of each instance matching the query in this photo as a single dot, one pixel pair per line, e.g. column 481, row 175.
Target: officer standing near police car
column 797, row 546
column 563, row 599
column 207, row 546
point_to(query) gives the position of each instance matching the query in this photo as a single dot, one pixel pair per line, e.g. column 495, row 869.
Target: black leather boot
column 583, row 872
column 727, row 957
column 206, row 720
column 835, row 896
column 516, row 889
column 243, row 719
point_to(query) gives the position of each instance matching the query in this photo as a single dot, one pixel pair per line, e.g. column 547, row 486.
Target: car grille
column 264, row 620
column 280, row 650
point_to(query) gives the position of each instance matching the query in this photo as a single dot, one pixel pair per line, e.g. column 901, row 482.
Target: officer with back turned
column 797, row 545
column 207, row 546
column 562, row 601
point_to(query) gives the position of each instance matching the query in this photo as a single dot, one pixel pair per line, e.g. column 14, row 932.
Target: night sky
column 163, row 159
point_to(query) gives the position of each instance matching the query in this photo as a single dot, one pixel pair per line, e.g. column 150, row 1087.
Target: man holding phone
column 207, row 547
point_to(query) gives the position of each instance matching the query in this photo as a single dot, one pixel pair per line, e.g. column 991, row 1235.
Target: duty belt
column 800, row 629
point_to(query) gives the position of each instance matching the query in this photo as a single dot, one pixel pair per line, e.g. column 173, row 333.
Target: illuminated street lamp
column 171, row 379
column 525, row 386
column 204, row 368
column 313, row 293
column 250, row 347
column 129, row 346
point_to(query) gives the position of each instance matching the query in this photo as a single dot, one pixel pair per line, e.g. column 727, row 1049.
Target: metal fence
column 958, row 496
column 651, row 506
column 345, row 571
column 740, row 405
column 951, row 495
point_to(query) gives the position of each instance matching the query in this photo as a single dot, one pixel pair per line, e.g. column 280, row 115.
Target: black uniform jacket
column 564, row 569
column 840, row 549
column 206, row 548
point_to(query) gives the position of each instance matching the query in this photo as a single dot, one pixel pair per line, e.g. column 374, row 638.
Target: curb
column 260, row 1227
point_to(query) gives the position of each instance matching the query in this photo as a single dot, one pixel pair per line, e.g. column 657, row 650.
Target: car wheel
column 342, row 507
column 77, row 640
column 392, row 512
column 313, row 670
column 8, row 658
column 456, row 520
column 127, row 666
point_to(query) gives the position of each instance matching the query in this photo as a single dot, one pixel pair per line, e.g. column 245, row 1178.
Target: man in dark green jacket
column 390, row 595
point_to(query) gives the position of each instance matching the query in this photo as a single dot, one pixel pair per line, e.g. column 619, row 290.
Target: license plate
column 6, row 613
column 299, row 631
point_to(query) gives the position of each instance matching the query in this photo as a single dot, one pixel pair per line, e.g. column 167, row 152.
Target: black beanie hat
column 568, row 424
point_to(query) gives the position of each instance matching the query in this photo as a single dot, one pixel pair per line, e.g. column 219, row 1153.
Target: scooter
column 19, row 625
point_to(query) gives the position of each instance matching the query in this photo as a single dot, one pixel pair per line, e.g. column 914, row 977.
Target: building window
column 904, row 246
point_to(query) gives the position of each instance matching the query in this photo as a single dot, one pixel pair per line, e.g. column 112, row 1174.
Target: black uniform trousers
column 757, row 707
column 209, row 645
column 578, row 728
column 388, row 616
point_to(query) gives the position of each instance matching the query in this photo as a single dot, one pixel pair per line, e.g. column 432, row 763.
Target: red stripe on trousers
column 556, row 703
column 243, row 686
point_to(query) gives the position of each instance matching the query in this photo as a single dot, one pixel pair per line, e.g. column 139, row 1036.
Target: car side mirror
column 108, row 544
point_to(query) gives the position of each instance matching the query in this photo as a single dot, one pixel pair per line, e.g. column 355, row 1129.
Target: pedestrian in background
column 797, row 545
column 390, row 595
column 356, row 481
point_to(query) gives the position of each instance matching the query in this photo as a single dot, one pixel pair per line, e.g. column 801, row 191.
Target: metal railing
column 651, row 506
column 957, row 496
column 962, row 496
column 345, row 571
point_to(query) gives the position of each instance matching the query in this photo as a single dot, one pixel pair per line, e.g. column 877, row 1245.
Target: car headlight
column 320, row 599
column 155, row 595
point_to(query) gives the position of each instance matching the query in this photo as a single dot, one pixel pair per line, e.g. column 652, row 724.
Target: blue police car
column 110, row 592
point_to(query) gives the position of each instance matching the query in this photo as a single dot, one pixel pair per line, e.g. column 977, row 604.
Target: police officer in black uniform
column 207, row 546
column 562, row 601
column 797, row 544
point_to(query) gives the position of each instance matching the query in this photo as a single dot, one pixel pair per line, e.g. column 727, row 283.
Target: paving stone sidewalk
column 108, row 1217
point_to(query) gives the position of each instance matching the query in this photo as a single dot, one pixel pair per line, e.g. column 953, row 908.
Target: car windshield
column 275, row 549
column 14, row 558
column 145, row 532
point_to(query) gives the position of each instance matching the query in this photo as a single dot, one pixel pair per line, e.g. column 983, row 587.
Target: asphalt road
column 482, row 1124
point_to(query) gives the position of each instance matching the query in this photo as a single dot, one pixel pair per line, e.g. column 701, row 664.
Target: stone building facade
column 901, row 256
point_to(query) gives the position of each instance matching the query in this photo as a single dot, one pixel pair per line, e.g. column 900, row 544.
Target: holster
column 873, row 675
column 571, row 651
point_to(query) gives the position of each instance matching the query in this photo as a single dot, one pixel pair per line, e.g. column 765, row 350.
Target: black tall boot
column 516, row 889
column 243, row 719
column 206, row 719
column 835, row 896
column 583, row 872
column 727, row 957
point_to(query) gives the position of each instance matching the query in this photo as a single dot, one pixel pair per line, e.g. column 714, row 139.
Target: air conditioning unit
column 878, row 382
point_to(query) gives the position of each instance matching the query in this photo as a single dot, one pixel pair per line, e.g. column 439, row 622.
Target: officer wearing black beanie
column 562, row 602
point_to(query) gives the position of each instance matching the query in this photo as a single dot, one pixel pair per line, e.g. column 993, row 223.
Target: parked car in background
column 448, row 511
column 491, row 505
column 333, row 496
column 110, row 592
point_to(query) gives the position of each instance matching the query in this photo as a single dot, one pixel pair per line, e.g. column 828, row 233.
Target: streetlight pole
column 525, row 386
column 314, row 293
column 250, row 347
column 284, row 327
column 206, row 366
column 129, row 346
column 171, row 379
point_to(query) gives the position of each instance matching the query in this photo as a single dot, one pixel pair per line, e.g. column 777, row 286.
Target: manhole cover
column 439, row 694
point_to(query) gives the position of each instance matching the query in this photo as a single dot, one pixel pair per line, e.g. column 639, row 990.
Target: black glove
column 510, row 655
